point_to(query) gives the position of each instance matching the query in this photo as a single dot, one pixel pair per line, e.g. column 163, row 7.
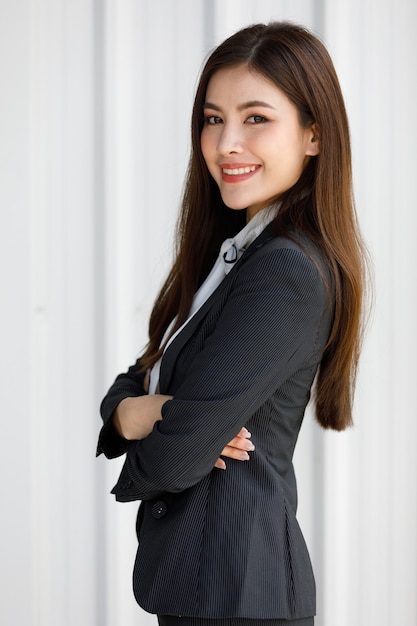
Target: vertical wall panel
column 62, row 275
column 15, row 557
column 119, row 275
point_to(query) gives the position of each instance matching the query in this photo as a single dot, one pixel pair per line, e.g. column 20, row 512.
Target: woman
column 236, row 339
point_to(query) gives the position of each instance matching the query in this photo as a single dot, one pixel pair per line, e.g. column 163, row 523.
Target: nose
column 230, row 140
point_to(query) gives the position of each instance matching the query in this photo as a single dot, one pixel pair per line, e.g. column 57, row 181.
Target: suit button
column 127, row 485
column 159, row 509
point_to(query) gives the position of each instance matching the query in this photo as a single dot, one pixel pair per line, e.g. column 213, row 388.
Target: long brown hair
column 320, row 204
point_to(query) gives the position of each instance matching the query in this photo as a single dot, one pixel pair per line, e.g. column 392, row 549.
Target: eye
column 211, row 120
column 256, row 119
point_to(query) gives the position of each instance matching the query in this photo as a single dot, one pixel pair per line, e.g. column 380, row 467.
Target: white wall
column 371, row 493
column 95, row 106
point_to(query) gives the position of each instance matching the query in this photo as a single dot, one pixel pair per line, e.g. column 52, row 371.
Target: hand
column 237, row 449
column 134, row 418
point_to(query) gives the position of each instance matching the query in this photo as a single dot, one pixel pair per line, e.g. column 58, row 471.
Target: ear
column 313, row 147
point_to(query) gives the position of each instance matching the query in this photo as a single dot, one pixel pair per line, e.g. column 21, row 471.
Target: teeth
column 239, row 170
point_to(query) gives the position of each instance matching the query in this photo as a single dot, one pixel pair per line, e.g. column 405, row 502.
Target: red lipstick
column 238, row 172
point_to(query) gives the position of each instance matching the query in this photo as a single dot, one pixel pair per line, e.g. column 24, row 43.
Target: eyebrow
column 241, row 107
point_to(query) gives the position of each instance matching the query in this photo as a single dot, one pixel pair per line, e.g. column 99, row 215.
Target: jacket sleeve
column 274, row 320
column 125, row 386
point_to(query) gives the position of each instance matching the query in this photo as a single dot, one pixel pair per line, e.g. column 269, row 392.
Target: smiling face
column 252, row 141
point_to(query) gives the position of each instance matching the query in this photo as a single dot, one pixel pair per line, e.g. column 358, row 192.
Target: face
column 252, row 140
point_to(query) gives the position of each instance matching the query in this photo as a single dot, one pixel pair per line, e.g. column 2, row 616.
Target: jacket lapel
column 175, row 347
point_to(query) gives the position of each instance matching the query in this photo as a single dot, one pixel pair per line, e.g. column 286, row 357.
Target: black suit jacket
column 216, row 543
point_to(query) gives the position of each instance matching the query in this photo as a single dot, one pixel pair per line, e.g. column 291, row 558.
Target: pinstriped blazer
column 216, row 543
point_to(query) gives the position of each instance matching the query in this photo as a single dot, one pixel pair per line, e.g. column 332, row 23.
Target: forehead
column 239, row 83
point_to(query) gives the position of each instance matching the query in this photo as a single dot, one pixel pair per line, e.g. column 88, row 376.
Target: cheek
column 267, row 146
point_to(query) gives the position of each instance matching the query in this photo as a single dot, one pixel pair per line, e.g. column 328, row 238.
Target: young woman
column 264, row 297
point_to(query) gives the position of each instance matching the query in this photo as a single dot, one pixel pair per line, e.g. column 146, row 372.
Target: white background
column 95, row 106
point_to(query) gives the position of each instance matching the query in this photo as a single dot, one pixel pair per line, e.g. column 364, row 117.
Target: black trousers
column 170, row 620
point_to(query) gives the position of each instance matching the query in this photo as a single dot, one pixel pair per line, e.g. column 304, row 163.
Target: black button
column 127, row 485
column 159, row 509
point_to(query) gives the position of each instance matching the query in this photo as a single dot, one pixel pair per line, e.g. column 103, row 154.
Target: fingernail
column 244, row 456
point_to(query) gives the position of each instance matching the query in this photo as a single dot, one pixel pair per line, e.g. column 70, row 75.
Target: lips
column 236, row 172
